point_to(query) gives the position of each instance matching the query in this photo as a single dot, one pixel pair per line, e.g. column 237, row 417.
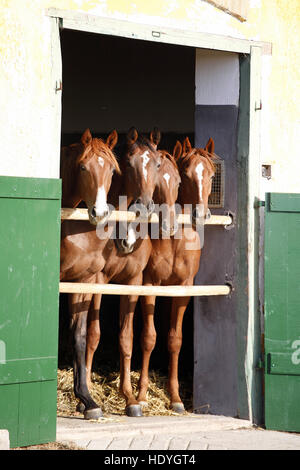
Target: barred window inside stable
column 216, row 198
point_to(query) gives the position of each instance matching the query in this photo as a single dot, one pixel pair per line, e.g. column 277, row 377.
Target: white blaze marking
column 100, row 204
column 145, row 159
column 166, row 176
column 101, row 161
column 131, row 238
column 199, row 171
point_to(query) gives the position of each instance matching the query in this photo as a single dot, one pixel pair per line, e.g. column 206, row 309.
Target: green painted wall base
column 29, row 303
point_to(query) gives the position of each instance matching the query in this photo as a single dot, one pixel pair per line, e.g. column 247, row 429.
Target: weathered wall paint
column 217, row 78
column 26, row 86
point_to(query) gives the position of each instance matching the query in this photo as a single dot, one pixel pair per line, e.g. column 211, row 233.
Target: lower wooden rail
column 161, row 291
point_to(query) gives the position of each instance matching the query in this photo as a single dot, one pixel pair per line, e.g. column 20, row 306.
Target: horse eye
column 82, row 168
column 158, row 164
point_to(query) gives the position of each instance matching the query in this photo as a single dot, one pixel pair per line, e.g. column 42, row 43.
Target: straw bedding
column 105, row 391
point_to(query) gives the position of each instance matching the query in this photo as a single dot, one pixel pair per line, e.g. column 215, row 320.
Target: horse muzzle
column 96, row 218
column 167, row 229
column 142, row 208
column 126, row 245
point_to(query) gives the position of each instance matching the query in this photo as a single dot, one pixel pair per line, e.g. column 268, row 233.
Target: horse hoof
column 178, row 407
column 134, row 411
column 94, row 413
column 80, row 407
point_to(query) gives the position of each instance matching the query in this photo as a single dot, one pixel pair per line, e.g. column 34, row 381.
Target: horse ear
column 177, row 151
column 86, row 137
column 132, row 135
column 155, row 137
column 112, row 139
column 210, row 146
column 187, row 145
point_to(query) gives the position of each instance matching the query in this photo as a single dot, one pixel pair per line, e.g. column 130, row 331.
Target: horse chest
column 161, row 264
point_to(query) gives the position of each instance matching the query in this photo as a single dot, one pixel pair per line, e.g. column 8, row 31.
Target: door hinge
column 58, row 86
column 258, row 105
column 260, row 364
column 258, row 204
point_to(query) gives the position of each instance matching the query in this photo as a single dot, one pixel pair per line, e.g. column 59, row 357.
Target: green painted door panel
column 282, row 312
column 29, row 280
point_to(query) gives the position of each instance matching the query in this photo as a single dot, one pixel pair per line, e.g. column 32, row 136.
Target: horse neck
column 185, row 204
column 116, row 190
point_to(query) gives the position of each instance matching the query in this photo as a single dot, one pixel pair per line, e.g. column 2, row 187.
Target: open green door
column 282, row 312
column 29, row 298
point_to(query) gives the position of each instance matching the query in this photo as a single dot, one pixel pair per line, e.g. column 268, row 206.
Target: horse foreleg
column 79, row 307
column 93, row 335
column 148, row 340
column 179, row 305
column 127, row 308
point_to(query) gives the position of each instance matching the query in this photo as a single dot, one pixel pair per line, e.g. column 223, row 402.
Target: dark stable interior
column 116, row 83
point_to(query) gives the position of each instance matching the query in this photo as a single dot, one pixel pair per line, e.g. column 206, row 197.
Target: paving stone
column 141, row 442
column 99, row 444
column 160, row 442
column 198, row 444
column 179, row 443
column 120, row 443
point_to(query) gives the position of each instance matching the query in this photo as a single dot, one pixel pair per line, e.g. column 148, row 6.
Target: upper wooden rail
column 127, row 216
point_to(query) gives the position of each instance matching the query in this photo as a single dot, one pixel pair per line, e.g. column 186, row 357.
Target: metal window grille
column 216, row 198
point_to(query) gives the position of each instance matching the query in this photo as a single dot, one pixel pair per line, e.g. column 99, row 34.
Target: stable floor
column 188, row 432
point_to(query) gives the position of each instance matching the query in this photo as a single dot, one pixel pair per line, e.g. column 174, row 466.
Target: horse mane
column 210, row 157
column 98, row 147
column 167, row 155
column 143, row 140
column 74, row 153
column 95, row 147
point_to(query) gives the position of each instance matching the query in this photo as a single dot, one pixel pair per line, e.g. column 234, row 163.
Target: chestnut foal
column 175, row 260
column 93, row 259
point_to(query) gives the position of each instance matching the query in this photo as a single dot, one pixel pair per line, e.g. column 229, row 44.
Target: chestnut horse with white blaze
column 88, row 258
column 175, row 260
column 86, row 171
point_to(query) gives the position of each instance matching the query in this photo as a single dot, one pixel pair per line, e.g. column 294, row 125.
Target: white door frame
column 95, row 24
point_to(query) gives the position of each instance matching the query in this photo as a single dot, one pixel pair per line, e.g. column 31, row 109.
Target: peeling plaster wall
column 26, row 85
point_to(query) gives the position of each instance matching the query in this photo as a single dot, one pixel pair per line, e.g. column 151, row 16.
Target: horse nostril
column 208, row 214
column 138, row 201
column 125, row 243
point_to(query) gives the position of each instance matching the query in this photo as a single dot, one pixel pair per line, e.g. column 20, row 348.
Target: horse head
column 141, row 162
column 166, row 193
column 87, row 169
column 196, row 169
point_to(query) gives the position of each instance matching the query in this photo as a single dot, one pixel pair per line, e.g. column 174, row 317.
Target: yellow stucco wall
column 26, row 86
